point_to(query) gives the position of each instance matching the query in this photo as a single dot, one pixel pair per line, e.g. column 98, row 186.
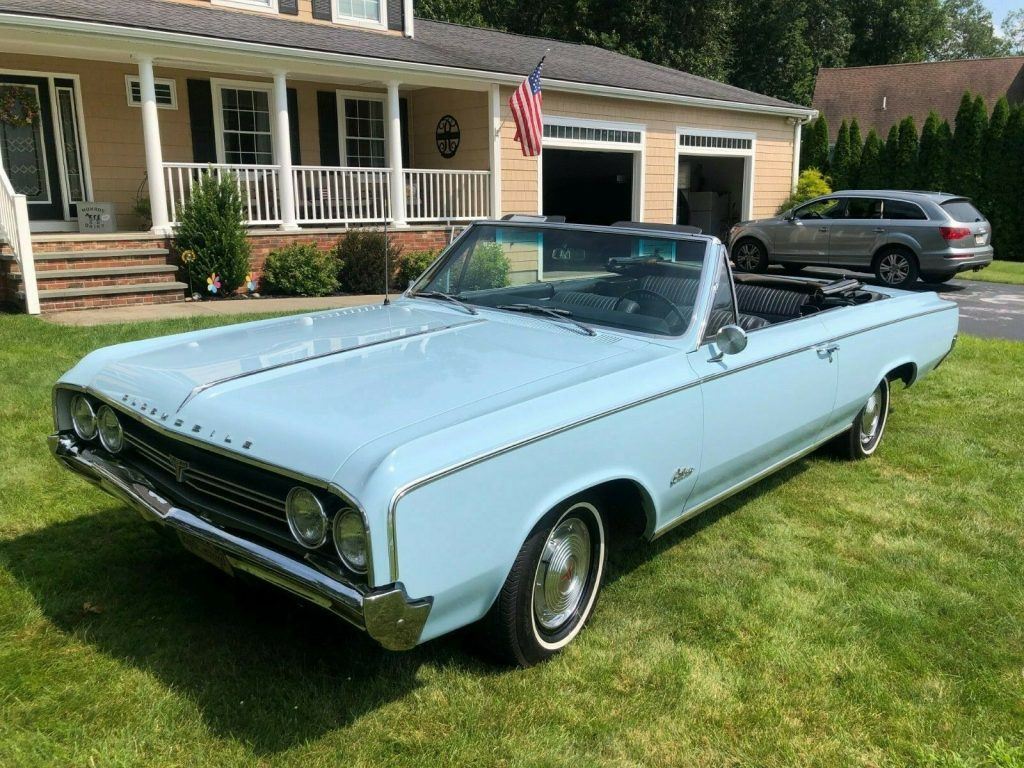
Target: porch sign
column 96, row 218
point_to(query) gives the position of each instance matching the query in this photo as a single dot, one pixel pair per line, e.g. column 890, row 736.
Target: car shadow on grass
column 260, row 666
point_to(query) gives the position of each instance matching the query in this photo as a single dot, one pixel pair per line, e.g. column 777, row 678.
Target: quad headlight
column 306, row 518
column 350, row 539
column 83, row 417
column 109, row 427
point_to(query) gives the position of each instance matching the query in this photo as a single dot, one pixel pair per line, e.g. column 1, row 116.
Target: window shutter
column 200, row 115
column 396, row 15
column 403, row 119
column 327, row 111
column 290, row 7
column 293, row 124
column 322, row 10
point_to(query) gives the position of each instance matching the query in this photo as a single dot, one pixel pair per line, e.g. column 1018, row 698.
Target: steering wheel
column 660, row 297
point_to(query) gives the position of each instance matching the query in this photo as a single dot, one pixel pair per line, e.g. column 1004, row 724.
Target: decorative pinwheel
column 213, row 283
column 250, row 282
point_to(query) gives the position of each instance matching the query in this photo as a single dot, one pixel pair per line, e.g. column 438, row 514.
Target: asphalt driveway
column 989, row 310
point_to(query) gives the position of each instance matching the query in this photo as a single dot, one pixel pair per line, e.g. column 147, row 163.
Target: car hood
column 305, row 393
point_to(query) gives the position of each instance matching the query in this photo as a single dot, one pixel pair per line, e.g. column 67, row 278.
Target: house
column 880, row 96
column 333, row 114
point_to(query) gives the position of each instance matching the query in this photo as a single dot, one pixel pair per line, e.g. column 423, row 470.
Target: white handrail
column 14, row 229
column 257, row 184
column 327, row 194
column 445, row 195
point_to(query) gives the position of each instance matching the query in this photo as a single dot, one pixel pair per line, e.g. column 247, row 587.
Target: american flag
column 526, row 105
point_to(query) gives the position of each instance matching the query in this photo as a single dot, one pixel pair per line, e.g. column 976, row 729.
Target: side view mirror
column 730, row 340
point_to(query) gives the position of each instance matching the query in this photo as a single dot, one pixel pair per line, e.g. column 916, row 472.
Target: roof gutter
column 139, row 36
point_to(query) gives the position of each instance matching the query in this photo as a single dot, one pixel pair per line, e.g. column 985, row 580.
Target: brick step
column 104, row 281
column 110, row 272
column 47, row 305
column 108, row 290
column 103, row 253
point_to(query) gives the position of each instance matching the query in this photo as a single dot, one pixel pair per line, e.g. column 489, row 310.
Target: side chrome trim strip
column 437, row 475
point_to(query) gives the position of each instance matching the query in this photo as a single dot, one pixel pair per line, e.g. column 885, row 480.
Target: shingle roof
column 434, row 43
column 912, row 89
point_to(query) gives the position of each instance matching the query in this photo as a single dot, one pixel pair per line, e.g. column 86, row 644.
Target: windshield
column 633, row 282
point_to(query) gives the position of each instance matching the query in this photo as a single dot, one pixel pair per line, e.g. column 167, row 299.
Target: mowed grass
column 839, row 613
column 1011, row 272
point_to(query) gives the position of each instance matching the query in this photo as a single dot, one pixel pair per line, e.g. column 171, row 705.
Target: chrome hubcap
column 894, row 268
column 747, row 257
column 871, row 417
column 562, row 574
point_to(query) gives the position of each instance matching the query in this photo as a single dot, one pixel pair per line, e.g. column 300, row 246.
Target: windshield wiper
column 556, row 314
column 446, row 297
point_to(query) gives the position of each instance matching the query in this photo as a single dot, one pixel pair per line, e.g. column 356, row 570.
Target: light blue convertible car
column 468, row 452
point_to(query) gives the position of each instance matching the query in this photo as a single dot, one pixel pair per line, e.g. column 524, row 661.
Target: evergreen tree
column 934, row 154
column 814, row 153
column 841, row 158
column 904, row 166
column 856, row 147
column 871, row 175
column 889, row 153
column 993, row 157
column 966, row 151
column 1007, row 208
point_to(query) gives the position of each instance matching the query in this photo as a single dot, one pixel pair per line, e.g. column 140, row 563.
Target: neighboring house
column 334, row 113
column 880, row 96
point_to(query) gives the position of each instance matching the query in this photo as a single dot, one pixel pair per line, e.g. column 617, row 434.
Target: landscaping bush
column 411, row 265
column 360, row 260
column 211, row 231
column 488, row 268
column 811, row 184
column 300, row 270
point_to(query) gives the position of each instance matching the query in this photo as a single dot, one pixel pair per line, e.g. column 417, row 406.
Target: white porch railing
column 256, row 183
column 434, row 195
column 15, row 232
column 331, row 195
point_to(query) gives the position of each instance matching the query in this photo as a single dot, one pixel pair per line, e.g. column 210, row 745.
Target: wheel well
column 907, row 373
column 893, row 247
column 633, row 508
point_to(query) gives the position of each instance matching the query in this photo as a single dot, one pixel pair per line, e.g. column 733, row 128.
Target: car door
column 804, row 236
column 857, row 234
column 762, row 405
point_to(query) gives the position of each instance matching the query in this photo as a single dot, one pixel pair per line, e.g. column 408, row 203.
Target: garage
column 591, row 171
column 715, row 172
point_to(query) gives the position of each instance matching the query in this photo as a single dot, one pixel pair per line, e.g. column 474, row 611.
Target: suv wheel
column 896, row 267
column 750, row 256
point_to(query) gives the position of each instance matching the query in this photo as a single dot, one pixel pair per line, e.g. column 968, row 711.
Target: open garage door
column 588, row 187
column 715, row 179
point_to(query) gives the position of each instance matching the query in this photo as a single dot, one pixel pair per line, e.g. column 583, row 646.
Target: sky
column 1000, row 8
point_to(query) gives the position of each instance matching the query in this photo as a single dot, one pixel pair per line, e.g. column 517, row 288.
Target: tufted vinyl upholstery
column 719, row 318
column 595, row 301
column 680, row 291
column 773, row 304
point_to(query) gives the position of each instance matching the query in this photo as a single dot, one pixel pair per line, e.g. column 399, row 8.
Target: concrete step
column 69, row 274
column 109, row 253
column 109, row 290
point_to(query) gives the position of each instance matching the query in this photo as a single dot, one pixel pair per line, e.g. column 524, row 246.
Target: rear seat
column 775, row 305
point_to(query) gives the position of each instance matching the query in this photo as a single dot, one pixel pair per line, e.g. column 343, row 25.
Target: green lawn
column 998, row 272
column 838, row 614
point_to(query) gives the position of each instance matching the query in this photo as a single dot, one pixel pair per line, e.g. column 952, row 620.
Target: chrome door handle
column 827, row 350
column 823, row 229
column 879, row 229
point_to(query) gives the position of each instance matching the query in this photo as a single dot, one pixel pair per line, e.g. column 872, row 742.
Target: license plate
column 207, row 552
column 979, row 239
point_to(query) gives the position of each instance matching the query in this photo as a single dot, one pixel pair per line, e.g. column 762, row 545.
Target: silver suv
column 899, row 236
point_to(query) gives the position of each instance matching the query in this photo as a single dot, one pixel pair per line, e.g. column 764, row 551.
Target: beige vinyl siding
column 469, row 108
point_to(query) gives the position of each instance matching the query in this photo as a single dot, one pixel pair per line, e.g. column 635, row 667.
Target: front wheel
column 750, row 256
column 866, row 433
column 896, row 268
column 552, row 587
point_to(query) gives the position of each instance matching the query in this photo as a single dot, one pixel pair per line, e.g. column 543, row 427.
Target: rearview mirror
column 730, row 340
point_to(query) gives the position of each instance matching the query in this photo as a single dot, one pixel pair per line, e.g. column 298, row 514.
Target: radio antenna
column 387, row 271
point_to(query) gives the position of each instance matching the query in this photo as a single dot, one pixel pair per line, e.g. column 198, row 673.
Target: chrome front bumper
column 386, row 613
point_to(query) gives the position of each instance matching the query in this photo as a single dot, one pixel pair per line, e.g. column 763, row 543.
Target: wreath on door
column 18, row 106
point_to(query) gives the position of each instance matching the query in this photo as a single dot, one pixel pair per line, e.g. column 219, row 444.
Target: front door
column 805, row 237
column 855, row 238
column 28, row 144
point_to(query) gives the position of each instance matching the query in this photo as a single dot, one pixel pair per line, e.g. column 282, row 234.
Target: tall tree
column 904, row 167
column 871, row 172
column 771, row 53
column 993, row 156
column 1008, row 234
column 841, row 158
column 933, row 156
column 856, row 147
column 966, row 150
column 1013, row 31
column 969, row 32
column 814, row 153
column 886, row 32
column 889, row 154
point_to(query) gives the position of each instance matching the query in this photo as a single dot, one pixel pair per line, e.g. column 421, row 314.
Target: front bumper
column 385, row 613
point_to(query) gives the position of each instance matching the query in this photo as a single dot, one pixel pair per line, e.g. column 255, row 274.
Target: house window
column 245, row 126
column 363, row 133
column 70, row 144
column 166, row 92
column 367, row 11
column 267, row 6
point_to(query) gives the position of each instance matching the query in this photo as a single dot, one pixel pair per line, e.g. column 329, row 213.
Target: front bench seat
column 596, row 301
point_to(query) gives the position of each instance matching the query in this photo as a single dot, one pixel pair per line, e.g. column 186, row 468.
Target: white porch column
column 394, row 119
column 283, row 152
column 154, row 150
column 494, row 101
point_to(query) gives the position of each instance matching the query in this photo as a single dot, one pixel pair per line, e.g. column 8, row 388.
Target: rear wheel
column 750, row 256
column 552, row 587
column 896, row 267
column 866, row 432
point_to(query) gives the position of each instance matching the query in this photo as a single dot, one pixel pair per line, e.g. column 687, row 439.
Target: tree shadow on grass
column 261, row 667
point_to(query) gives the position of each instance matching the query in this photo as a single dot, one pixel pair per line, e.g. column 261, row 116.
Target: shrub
column 811, row 184
column 488, row 268
column 300, row 270
column 211, row 226
column 411, row 265
column 360, row 261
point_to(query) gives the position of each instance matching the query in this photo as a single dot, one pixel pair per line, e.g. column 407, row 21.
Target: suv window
column 902, row 210
column 863, row 208
column 820, row 209
column 962, row 210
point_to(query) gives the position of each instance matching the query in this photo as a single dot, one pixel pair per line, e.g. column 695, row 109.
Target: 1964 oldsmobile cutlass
column 464, row 453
